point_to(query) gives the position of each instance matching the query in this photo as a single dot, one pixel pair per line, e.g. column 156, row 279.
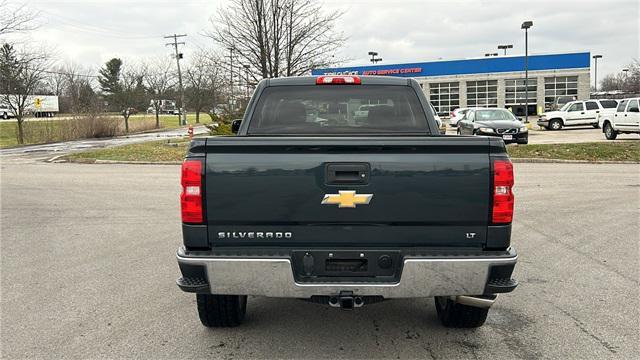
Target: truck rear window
column 332, row 110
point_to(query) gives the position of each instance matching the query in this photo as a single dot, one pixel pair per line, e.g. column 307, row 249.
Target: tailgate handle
column 352, row 173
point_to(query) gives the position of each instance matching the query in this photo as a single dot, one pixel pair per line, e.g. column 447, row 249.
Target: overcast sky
column 90, row 32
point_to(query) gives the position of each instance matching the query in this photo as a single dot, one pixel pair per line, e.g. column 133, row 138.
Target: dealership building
column 491, row 81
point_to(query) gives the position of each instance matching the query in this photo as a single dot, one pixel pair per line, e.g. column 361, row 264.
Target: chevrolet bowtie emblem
column 346, row 199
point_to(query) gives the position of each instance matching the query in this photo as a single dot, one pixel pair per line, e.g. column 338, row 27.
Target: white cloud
column 91, row 32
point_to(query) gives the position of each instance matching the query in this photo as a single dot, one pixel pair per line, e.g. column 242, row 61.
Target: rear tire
column 454, row 315
column 5, row 116
column 609, row 132
column 221, row 310
column 555, row 124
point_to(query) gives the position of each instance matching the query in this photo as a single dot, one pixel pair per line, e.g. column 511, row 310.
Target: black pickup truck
column 322, row 199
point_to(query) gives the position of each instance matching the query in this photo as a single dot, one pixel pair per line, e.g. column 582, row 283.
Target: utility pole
column 175, row 43
column 231, row 103
column 246, row 75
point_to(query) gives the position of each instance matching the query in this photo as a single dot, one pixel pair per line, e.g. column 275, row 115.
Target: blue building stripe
column 468, row 66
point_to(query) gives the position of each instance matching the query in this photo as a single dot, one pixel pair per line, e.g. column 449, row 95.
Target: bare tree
column 16, row 18
column 628, row 81
column 159, row 79
column 278, row 37
column 609, row 82
column 56, row 81
column 79, row 90
column 203, row 76
column 22, row 73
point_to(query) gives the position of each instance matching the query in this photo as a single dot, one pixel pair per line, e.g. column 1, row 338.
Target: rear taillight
column 342, row 80
column 191, row 196
column 502, row 192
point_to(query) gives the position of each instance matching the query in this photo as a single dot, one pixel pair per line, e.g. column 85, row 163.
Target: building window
column 445, row 96
column 555, row 87
column 482, row 93
column 514, row 91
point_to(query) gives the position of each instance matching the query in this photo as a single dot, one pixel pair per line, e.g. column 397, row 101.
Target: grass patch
column 597, row 151
column 154, row 151
column 45, row 131
column 175, row 150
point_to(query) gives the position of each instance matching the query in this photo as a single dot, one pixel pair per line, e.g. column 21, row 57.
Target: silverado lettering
column 257, row 235
column 382, row 206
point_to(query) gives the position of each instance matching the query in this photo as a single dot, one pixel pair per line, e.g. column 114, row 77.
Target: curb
column 563, row 161
column 137, row 162
column 59, row 159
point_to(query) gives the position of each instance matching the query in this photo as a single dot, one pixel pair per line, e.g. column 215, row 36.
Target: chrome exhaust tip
column 475, row 301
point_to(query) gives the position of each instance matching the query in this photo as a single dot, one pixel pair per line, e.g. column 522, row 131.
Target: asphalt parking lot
column 88, row 271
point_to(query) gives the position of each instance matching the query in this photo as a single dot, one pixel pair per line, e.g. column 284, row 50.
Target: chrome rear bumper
column 421, row 277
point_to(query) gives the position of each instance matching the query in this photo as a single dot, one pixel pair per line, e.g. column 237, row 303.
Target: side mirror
column 634, row 109
column 520, row 119
column 235, row 125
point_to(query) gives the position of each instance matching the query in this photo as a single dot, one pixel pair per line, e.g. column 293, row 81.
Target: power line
column 66, row 73
column 61, row 73
column 99, row 30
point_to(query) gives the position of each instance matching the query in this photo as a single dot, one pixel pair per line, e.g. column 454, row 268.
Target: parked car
column 457, row 115
column 494, row 122
column 442, row 128
column 560, row 102
column 621, row 120
column 345, row 214
column 575, row 113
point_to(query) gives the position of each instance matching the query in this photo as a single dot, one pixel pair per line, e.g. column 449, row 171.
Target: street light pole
column 526, row 25
column 373, row 55
column 505, row 47
column 595, row 76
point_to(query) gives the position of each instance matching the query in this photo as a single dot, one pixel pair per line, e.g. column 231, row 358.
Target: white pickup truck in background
column 621, row 120
column 576, row 113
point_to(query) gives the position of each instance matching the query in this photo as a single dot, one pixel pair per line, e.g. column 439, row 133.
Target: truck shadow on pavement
column 409, row 328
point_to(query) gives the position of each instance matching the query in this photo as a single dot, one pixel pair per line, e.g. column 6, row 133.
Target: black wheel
column 595, row 126
column 555, row 124
column 5, row 116
column 523, row 142
column 454, row 315
column 221, row 310
column 458, row 131
column 609, row 132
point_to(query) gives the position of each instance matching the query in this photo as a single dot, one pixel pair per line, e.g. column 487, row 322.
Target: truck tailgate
column 426, row 191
